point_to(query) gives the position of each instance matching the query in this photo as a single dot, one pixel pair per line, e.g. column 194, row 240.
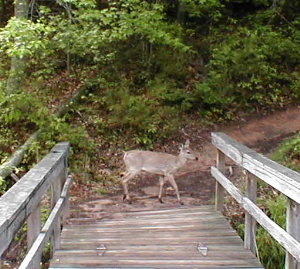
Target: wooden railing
column 22, row 203
column 279, row 177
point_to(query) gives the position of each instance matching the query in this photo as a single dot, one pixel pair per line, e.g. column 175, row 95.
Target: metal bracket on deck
column 101, row 250
column 202, row 249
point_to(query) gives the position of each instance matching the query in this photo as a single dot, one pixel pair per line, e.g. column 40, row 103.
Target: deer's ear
column 187, row 143
column 181, row 147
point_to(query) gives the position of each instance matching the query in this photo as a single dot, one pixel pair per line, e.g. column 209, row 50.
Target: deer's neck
column 181, row 160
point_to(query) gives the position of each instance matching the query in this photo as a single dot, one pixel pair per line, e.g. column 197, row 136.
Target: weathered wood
column 284, row 239
column 250, row 222
column 293, row 228
column 219, row 194
column 65, row 194
column 56, row 191
column 33, row 225
column 35, row 251
column 153, row 240
column 281, row 178
column 173, row 267
column 23, row 198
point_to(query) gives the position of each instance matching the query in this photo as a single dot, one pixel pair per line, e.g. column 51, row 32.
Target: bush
column 248, row 69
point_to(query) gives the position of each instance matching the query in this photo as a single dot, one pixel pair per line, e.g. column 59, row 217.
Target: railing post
column 219, row 198
column 33, row 230
column 293, row 228
column 66, row 210
column 250, row 222
column 56, row 191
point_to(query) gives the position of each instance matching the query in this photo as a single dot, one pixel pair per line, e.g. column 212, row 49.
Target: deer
column 163, row 164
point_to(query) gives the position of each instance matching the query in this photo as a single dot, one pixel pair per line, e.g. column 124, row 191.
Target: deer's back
column 149, row 161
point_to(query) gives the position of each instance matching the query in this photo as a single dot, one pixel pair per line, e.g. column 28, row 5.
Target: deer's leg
column 128, row 175
column 174, row 185
column 161, row 185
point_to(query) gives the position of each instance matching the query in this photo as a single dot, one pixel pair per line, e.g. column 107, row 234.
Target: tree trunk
column 18, row 64
column 16, row 158
column 180, row 12
column 2, row 6
column 21, row 9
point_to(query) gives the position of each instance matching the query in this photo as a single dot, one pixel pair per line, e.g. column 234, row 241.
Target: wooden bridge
column 184, row 237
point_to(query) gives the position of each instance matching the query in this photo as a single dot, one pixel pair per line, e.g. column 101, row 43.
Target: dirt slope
column 194, row 181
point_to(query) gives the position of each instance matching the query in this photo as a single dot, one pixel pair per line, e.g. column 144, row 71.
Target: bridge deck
column 154, row 239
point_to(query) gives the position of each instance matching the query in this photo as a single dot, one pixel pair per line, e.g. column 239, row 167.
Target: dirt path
column 194, row 181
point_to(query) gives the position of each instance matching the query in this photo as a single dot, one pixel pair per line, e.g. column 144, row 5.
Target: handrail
column 281, row 178
column 22, row 201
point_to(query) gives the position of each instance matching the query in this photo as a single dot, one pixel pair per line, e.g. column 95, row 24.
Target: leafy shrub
column 271, row 253
column 142, row 114
column 288, row 153
column 248, row 69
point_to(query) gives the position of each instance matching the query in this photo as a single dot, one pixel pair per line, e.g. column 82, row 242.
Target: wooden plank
column 157, row 222
column 161, row 241
column 190, row 252
column 88, row 244
column 155, row 260
column 154, row 242
column 166, row 217
column 161, row 231
column 280, row 235
column 84, row 267
column 172, row 211
column 173, row 267
column 145, row 236
column 132, row 261
column 214, row 246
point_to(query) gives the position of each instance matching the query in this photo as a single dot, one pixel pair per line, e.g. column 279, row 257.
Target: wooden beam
column 250, row 222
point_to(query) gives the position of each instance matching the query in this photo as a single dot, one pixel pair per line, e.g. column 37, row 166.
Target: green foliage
column 288, row 153
column 27, row 113
column 3, row 186
column 248, row 69
column 23, row 38
column 271, row 253
column 203, row 8
column 142, row 114
column 96, row 35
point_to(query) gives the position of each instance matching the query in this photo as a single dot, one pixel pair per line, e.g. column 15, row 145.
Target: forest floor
column 261, row 133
